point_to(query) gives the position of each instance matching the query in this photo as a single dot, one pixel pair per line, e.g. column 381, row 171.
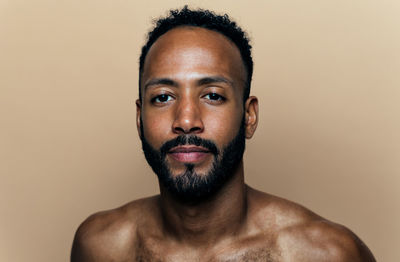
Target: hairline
column 246, row 84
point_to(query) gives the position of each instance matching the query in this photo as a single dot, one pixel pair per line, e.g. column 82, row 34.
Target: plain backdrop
column 327, row 74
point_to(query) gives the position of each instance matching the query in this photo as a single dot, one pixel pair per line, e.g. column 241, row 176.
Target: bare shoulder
column 301, row 235
column 321, row 240
column 111, row 235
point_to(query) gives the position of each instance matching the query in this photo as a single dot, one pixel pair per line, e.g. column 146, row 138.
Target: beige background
column 327, row 74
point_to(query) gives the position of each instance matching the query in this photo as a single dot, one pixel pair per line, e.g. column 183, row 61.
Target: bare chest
column 236, row 252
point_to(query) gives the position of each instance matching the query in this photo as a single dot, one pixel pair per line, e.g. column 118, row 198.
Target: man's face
column 191, row 116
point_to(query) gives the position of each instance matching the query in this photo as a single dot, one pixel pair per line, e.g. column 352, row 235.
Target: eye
column 215, row 97
column 163, row 98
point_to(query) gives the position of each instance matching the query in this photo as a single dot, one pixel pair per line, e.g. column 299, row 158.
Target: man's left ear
column 251, row 116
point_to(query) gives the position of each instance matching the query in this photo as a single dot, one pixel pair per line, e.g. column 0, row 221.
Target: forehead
column 184, row 51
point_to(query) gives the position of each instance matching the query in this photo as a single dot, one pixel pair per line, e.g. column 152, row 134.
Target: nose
column 187, row 117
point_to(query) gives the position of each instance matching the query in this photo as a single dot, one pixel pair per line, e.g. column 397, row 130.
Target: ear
column 251, row 116
column 138, row 112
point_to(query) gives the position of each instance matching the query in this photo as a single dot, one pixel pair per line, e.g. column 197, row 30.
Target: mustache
column 189, row 140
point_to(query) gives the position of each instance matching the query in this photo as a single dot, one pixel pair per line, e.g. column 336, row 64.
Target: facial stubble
column 189, row 186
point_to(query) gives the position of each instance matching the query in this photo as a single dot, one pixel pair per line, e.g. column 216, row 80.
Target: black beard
column 190, row 187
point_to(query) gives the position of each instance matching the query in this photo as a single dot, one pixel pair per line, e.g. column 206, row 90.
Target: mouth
column 189, row 154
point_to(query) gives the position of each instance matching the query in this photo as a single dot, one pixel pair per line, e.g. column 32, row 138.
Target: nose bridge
column 187, row 114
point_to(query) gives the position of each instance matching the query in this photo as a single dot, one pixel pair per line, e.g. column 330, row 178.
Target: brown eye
column 161, row 98
column 215, row 97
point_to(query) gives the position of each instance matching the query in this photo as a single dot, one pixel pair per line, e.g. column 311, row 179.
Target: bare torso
column 274, row 229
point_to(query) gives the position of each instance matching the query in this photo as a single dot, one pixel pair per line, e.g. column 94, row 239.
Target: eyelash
column 217, row 98
column 154, row 99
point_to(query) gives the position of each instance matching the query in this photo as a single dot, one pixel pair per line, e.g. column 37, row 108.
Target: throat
column 208, row 222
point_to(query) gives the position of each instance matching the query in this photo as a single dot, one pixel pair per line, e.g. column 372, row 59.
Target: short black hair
column 204, row 19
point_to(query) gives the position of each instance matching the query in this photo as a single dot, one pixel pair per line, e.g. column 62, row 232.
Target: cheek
column 223, row 126
column 156, row 128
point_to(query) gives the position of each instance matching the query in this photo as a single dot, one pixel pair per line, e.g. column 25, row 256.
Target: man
column 193, row 115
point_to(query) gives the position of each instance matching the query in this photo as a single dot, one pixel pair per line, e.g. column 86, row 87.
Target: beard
column 189, row 186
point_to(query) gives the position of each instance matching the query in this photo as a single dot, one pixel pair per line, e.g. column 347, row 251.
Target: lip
column 189, row 154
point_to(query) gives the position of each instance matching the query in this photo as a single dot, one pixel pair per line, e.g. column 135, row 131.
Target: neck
column 209, row 221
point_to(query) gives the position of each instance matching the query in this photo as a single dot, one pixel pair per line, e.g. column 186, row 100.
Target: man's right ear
column 138, row 112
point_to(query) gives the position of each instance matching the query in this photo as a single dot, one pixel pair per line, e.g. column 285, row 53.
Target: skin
column 238, row 223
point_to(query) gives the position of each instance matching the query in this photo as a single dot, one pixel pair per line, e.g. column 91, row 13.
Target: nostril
column 195, row 129
column 187, row 131
column 179, row 130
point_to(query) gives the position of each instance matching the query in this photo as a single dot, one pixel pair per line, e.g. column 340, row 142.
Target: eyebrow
column 160, row 81
column 214, row 79
column 202, row 81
